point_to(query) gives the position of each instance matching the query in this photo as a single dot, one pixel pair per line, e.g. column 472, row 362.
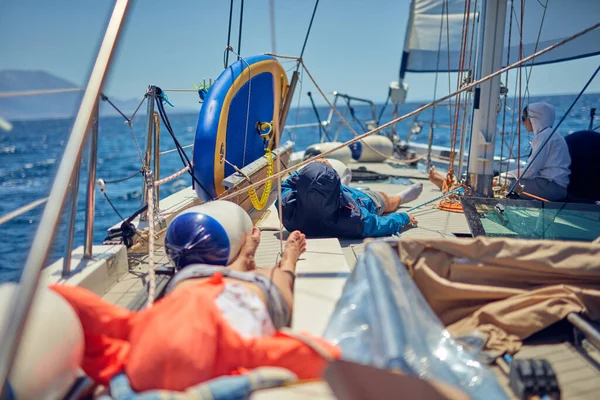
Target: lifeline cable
column 181, row 152
column 554, row 130
column 416, row 111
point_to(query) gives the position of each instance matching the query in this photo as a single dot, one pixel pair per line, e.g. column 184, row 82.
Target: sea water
column 31, row 152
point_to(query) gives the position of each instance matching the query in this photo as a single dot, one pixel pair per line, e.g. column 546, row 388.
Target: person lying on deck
column 548, row 175
column 213, row 321
column 314, row 201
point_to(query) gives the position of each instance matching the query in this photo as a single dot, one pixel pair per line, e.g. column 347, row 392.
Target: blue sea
column 30, row 154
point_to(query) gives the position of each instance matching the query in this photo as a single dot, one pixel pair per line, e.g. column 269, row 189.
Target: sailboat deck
column 324, row 268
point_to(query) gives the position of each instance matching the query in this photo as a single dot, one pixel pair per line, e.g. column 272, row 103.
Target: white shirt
column 553, row 160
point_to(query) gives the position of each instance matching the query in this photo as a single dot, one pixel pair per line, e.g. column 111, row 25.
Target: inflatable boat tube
column 254, row 87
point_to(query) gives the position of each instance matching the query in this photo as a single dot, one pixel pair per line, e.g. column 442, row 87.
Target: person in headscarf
column 548, row 173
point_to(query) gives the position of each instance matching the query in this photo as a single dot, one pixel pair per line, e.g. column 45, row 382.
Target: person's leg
column 406, row 196
column 543, row 188
column 283, row 274
column 245, row 260
column 436, row 178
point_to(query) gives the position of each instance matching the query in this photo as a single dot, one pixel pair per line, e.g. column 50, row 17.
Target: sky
column 354, row 47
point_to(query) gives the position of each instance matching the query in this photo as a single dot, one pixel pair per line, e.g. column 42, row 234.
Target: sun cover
column 382, row 320
column 508, row 289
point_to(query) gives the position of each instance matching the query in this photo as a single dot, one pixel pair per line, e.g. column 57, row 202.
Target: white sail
column 563, row 18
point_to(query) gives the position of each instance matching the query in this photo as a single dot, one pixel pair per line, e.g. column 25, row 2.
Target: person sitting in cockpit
column 548, row 173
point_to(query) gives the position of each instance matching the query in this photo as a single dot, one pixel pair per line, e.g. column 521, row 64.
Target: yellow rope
column 264, row 198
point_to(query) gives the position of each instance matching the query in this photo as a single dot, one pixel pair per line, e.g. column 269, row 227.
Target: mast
column 486, row 101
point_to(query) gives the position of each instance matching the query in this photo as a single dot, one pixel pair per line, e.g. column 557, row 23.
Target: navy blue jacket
column 315, row 202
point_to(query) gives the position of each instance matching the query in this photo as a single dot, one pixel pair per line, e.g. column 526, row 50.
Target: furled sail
column 435, row 32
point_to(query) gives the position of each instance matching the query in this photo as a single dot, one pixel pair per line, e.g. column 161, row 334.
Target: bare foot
column 245, row 260
column 294, row 246
column 436, row 178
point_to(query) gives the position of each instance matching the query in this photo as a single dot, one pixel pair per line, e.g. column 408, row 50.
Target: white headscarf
column 541, row 115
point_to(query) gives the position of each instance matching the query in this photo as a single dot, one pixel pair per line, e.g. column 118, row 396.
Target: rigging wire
column 129, row 121
column 466, row 123
column 555, row 128
column 412, row 113
column 226, row 55
column 239, row 48
column 272, row 20
column 520, row 87
column 384, row 107
column 459, row 79
column 182, row 154
column 528, row 74
column 450, row 116
column 502, row 136
column 308, row 31
column 435, row 84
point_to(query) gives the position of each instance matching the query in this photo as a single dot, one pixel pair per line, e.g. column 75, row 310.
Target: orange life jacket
column 181, row 341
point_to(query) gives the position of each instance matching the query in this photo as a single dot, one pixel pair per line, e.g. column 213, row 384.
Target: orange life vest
column 181, row 341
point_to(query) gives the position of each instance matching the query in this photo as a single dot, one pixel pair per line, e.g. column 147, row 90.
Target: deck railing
column 12, row 331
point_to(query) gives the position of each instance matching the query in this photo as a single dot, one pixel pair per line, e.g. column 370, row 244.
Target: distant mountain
column 59, row 105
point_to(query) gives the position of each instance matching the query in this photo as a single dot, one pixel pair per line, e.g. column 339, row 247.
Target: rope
column 37, row 92
column 459, row 190
column 555, row 128
column 22, row 210
column 416, row 111
column 172, row 177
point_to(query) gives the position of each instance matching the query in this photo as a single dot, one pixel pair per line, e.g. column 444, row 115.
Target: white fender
column 233, row 218
column 382, row 144
column 343, row 171
column 51, row 349
column 344, row 154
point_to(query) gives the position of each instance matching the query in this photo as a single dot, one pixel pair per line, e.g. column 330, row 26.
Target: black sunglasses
column 524, row 115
